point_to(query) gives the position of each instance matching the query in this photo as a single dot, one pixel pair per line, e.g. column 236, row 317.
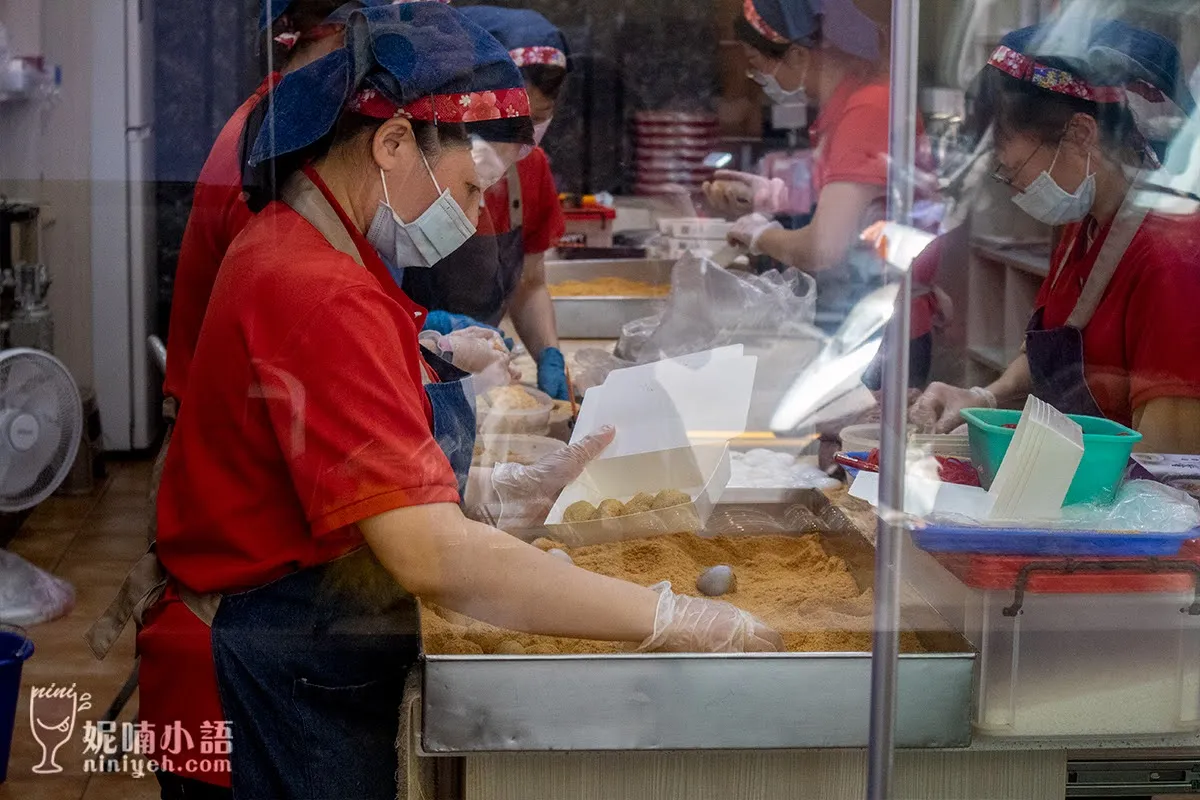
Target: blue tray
column 1044, row 542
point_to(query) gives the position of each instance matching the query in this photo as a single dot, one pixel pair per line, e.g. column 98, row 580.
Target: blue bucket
column 15, row 648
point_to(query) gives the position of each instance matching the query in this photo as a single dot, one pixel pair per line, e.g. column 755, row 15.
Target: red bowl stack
column 671, row 146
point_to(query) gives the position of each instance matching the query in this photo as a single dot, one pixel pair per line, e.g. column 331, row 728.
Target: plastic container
column 1085, row 665
column 1107, row 447
column 694, row 228
column 591, row 226
column 1050, row 542
column 858, row 438
column 534, row 421
column 513, row 448
column 1068, row 576
column 15, row 649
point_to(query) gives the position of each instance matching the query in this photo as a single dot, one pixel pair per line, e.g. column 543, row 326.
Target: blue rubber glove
column 552, row 374
column 445, row 323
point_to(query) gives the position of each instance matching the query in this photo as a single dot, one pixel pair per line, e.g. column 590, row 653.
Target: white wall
column 45, row 156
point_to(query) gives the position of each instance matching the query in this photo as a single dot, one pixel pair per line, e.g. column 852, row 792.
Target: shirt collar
column 370, row 258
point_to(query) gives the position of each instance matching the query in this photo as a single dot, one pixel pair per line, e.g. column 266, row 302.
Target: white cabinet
column 1002, row 284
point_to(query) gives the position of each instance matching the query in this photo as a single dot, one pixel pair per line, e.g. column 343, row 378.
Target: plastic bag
column 28, row 595
column 711, row 307
column 1139, row 506
column 591, row 366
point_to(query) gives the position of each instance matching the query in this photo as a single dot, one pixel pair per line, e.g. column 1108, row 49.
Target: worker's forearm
column 1015, row 384
column 788, row 247
column 440, row 556
column 1168, row 425
column 532, row 312
column 800, row 249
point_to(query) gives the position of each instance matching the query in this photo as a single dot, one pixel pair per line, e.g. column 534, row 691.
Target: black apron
column 311, row 668
column 1056, row 358
column 477, row 279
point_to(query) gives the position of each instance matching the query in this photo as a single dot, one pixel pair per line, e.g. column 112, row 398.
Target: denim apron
column 1056, row 357
column 479, row 277
column 311, row 668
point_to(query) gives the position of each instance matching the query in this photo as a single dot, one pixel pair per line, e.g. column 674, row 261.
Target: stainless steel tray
column 603, row 317
column 476, row 704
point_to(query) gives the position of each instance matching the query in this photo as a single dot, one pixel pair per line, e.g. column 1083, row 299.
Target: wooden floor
column 91, row 542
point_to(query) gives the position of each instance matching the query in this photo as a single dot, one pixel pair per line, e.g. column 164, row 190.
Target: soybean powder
column 789, row 582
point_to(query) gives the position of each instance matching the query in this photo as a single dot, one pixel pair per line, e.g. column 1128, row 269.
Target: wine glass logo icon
column 53, row 711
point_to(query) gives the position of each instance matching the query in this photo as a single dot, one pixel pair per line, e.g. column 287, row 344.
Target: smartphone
column 718, row 160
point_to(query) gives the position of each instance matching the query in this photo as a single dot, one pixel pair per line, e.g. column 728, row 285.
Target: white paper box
column 701, row 471
column 695, row 227
column 674, row 419
column 672, row 403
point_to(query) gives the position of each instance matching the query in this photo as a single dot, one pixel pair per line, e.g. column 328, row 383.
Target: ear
column 795, row 56
column 392, row 142
column 1083, row 132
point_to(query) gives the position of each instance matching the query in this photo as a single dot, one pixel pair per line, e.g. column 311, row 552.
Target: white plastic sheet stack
column 1040, row 464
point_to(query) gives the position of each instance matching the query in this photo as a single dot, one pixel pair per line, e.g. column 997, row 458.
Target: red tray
column 1001, row 572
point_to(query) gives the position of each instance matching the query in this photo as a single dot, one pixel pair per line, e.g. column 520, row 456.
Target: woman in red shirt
column 827, row 55
column 502, row 270
column 1115, row 325
column 312, row 490
column 301, row 31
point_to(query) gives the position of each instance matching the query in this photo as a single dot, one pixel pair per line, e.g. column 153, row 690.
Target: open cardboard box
column 674, row 420
column 701, row 471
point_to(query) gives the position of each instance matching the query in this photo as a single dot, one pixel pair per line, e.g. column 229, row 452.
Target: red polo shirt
column 313, row 415
column 218, row 215
column 544, row 219
column 1141, row 342
column 850, row 135
column 306, row 416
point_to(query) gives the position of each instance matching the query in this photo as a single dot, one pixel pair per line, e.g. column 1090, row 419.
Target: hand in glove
column 552, row 374
column 939, row 409
column 737, row 193
column 749, row 229
column 526, row 493
column 685, row 624
column 479, row 351
column 445, row 323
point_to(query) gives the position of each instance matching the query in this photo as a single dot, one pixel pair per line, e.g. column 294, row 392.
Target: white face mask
column 777, row 94
column 1047, row 202
column 431, row 237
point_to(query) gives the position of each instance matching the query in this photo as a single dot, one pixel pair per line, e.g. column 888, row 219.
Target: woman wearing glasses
column 1115, row 324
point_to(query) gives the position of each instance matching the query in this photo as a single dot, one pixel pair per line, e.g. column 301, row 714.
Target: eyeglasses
column 1000, row 176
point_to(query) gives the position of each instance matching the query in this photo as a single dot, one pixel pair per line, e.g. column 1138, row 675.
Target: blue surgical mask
column 431, row 237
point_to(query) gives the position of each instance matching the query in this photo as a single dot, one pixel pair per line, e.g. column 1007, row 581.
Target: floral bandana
column 468, row 107
column 1137, row 94
column 528, row 56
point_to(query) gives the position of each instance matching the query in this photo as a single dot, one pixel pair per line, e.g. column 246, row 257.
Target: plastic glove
column 444, row 322
column 479, row 351
column 737, row 193
column 526, row 493
column 749, row 229
column 552, row 374
column 939, row 409
column 685, row 624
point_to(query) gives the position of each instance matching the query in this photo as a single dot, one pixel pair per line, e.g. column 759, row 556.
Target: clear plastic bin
column 495, row 416
column 1085, row 665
